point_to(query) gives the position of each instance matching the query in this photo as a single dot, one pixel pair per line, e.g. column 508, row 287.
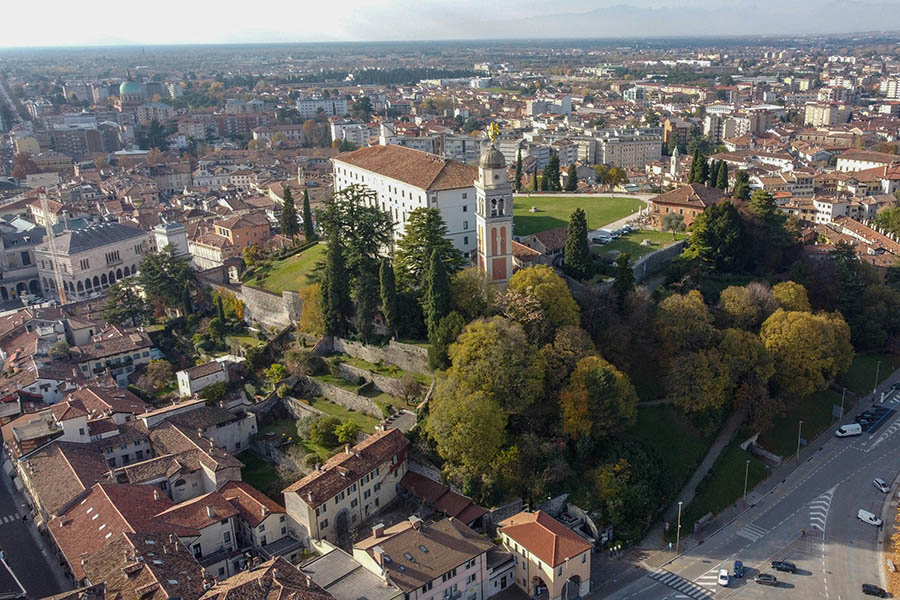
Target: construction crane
column 51, row 244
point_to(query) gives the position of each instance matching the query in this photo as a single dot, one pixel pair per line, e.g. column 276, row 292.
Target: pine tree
column 571, row 179
column 220, row 309
column 722, row 177
column 335, row 290
column 741, row 185
column 436, row 303
column 388, row 296
column 308, row 232
column 694, row 173
column 578, row 262
column 519, row 171
column 289, row 225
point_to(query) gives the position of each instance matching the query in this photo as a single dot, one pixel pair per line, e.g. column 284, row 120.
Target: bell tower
column 494, row 215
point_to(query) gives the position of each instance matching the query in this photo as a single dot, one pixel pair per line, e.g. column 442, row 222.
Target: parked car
column 867, row 517
column 783, row 565
column 630, row 228
column 873, row 590
column 723, row 577
column 767, row 579
column 607, row 233
column 881, row 486
column 848, row 430
column 621, row 231
column 738, row 570
column 600, row 241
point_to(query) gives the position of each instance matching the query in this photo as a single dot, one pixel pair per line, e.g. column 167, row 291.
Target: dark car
column 873, row 590
column 766, row 579
column 738, row 570
column 783, row 565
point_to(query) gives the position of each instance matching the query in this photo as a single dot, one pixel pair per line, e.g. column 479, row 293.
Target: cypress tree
column 703, row 175
column 289, row 225
column 519, row 171
column 712, row 174
column 308, row 232
column 366, row 302
column 722, row 177
column 335, row 290
column 534, row 180
column 388, row 296
column 571, row 179
column 436, row 303
column 578, row 262
column 741, row 185
column 624, row 279
column 186, row 305
column 695, row 167
column 220, row 309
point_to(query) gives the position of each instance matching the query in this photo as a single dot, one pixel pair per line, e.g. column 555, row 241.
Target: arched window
column 80, row 287
column 87, row 284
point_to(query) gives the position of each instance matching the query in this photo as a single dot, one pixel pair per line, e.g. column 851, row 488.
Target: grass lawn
column 631, row 243
column 815, row 411
column 723, row 485
column 262, row 475
column 365, row 422
column 677, row 443
column 711, row 287
column 386, row 370
column 289, row 273
column 861, row 376
column 245, row 340
column 555, row 211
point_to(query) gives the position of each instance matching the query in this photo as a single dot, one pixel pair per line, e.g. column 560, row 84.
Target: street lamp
column 678, row 528
column 799, row 429
column 875, row 385
column 843, row 394
column 746, row 473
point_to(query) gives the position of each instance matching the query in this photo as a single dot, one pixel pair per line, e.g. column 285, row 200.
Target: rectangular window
column 465, row 224
column 366, row 494
column 227, row 537
column 323, row 524
column 353, row 503
column 377, row 486
column 262, row 527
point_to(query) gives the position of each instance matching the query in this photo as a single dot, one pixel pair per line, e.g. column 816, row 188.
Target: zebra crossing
column 709, row 580
column 752, row 532
column 10, row 518
column 682, row 585
column 818, row 510
column 891, row 430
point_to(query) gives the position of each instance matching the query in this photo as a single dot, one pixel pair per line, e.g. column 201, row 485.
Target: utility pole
column 875, row 385
column 678, row 528
column 799, row 429
column 843, row 394
column 746, row 473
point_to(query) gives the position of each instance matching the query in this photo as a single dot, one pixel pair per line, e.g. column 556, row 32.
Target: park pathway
column 654, row 538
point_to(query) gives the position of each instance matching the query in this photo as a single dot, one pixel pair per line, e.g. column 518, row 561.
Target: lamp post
column 678, row 528
column 799, row 429
column 875, row 385
column 843, row 394
column 746, row 473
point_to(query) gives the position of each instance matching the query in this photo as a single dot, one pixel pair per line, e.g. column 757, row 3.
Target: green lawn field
column 289, row 273
column 631, row 243
column 860, row 379
column 555, row 211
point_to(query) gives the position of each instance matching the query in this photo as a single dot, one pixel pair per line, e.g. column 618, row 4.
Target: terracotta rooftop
column 276, row 579
column 253, row 505
column 414, row 167
column 694, row 195
column 545, row 537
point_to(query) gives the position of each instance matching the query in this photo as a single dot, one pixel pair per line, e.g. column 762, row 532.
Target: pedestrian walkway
column 752, row 532
column 682, row 585
column 14, row 518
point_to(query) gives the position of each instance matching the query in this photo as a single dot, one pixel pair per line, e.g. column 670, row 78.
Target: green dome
column 130, row 87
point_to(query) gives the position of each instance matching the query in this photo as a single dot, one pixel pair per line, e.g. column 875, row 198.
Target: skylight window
column 409, row 557
column 423, row 548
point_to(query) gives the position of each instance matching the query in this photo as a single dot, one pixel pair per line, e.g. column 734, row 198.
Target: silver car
column 881, row 486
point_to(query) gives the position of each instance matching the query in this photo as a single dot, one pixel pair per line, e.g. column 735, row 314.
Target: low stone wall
column 494, row 517
column 345, row 398
column 385, row 383
column 299, row 409
column 656, row 261
column 405, row 356
column 272, row 310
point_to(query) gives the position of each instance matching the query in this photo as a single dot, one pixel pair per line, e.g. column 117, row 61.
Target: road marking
column 892, row 429
column 818, row 510
column 680, row 584
column 752, row 532
column 709, row 580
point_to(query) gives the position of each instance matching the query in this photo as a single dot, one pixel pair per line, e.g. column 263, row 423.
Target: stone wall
column 271, row 310
column 405, row 356
column 494, row 517
column 299, row 409
column 555, row 506
column 345, row 398
column 656, row 261
column 385, row 383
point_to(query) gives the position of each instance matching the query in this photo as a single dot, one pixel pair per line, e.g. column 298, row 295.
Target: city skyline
column 280, row 22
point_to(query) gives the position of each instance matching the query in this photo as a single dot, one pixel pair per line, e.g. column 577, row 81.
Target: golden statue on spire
column 493, row 132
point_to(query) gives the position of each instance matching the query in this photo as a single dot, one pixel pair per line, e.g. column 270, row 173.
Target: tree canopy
column 598, row 401
column 550, row 290
column 425, row 233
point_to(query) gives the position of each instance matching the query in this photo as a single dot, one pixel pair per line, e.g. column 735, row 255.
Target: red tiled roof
column 545, row 537
column 414, row 167
column 253, row 505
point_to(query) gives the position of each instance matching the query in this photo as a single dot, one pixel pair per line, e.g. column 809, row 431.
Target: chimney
column 379, row 555
column 171, row 538
column 378, row 530
column 309, row 495
column 265, row 512
column 210, row 512
column 416, row 522
column 347, row 448
column 156, row 495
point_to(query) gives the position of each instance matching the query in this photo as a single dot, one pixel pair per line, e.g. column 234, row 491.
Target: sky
column 111, row 22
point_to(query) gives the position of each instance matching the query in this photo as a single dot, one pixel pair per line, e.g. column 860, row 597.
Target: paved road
column 835, row 555
column 26, row 554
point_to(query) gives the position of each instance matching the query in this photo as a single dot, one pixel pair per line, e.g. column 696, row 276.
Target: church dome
column 492, row 159
column 130, row 88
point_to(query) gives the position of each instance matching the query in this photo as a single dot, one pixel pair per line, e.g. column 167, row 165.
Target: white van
column 851, row 429
column 867, row 517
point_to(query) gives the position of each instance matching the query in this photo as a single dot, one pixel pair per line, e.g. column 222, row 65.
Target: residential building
column 860, row 160
column 345, row 578
column 350, row 131
column 113, row 351
column 689, row 201
column 351, row 486
column 194, row 379
column 261, row 523
column 275, row 579
column 629, row 147
column 291, row 134
column 92, row 258
column 154, row 111
column 244, row 230
column 76, row 140
column 310, row 107
column 819, row 114
column 445, row 559
column 51, row 160
column 405, row 179
column 548, row 555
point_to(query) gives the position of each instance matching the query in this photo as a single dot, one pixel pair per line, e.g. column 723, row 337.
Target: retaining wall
column 494, row 517
column 299, row 409
column 385, row 383
column 405, row 356
column 345, row 398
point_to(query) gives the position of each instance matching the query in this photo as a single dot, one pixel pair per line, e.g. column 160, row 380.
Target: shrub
column 282, row 391
column 317, row 365
column 347, row 432
column 310, row 460
column 304, row 424
column 322, row 432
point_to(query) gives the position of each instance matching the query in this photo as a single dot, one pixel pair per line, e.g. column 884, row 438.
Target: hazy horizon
column 278, row 21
